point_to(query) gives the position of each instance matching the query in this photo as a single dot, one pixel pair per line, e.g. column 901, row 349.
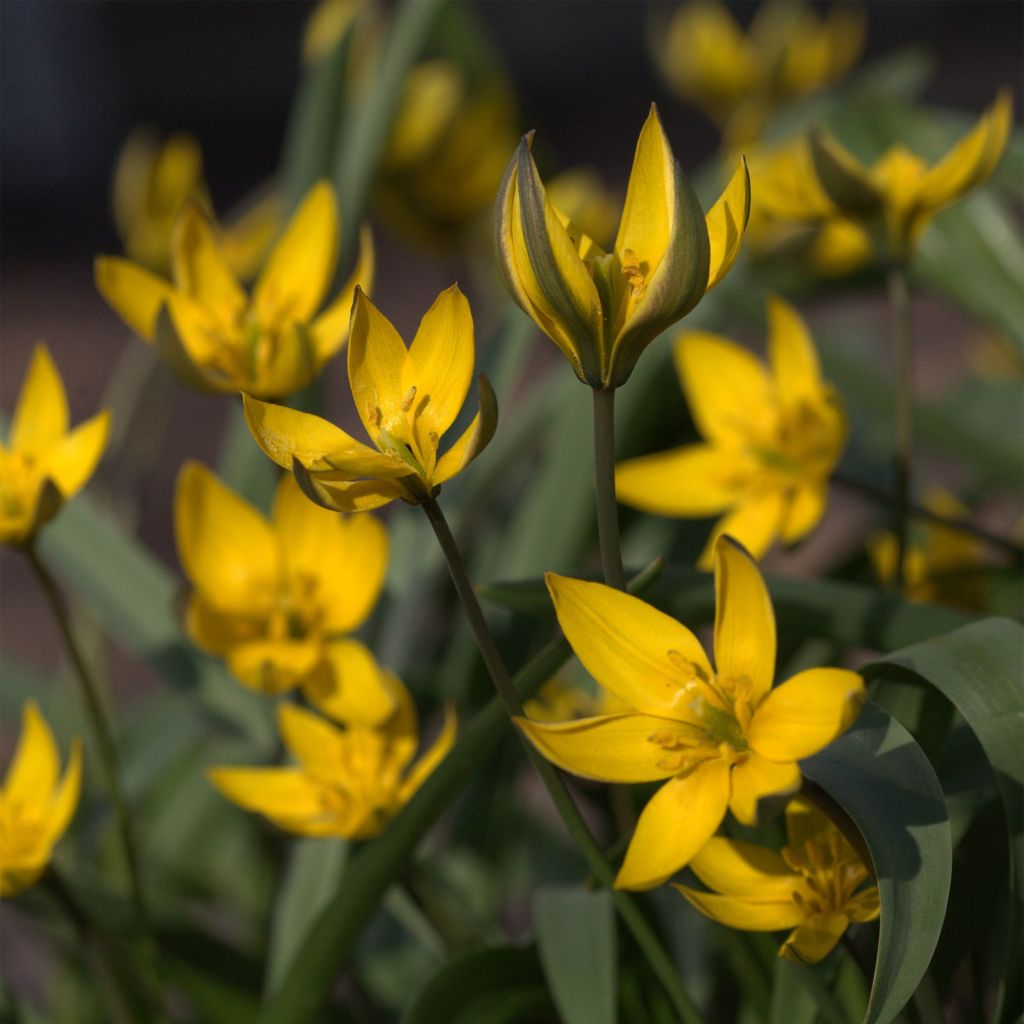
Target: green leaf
column 576, row 939
column 882, row 779
column 793, row 995
column 979, row 669
column 489, row 986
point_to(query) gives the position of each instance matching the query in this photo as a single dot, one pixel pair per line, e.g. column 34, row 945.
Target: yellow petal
column 245, row 240
column 736, row 868
column 71, row 463
column 299, row 269
column 640, row 655
column 354, row 495
column 695, row 480
column 727, row 220
column 726, row 387
column 610, row 748
column 432, row 757
column 376, row 357
column 33, row 773
column 791, row 354
column 806, row 713
column 200, row 270
column 65, row 799
column 845, row 180
column 226, row 547
column 744, row 621
column 291, row 367
column 806, row 823
column 757, row 779
column 41, row 416
column 755, row 521
column 476, row 437
column 804, row 511
column 744, row 913
column 677, row 821
column 311, row 739
column 815, row 938
column 217, row 632
column 864, row 906
column 274, row 666
column 439, row 364
column 134, row 294
column 273, row 792
column 350, row 686
column 329, row 330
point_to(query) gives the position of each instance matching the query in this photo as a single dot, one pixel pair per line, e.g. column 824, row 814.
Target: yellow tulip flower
column 812, row 887
column 602, row 309
column 35, row 804
column 44, row 464
column 215, row 335
column 772, row 438
column 406, row 399
column 348, row 782
column 276, row 598
column 722, row 737
column 154, row 181
column 900, row 188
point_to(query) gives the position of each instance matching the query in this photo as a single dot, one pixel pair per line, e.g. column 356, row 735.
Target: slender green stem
column 104, row 740
column 628, row 910
column 604, row 470
column 903, row 341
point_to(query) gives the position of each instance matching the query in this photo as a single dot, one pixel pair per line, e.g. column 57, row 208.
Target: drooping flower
column 348, row 781
column 772, row 438
column 36, row 804
column 217, row 337
column 43, row 463
column 602, row 309
column 277, row 599
column 722, row 737
column 154, row 181
column 815, row 886
column 406, row 398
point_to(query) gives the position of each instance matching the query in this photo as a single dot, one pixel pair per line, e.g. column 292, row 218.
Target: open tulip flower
column 36, row 804
column 900, row 188
column 814, row 886
column 43, row 463
column 772, row 438
column 216, row 336
column 406, row 399
column 348, row 782
column 276, row 599
column 603, row 309
column 722, row 737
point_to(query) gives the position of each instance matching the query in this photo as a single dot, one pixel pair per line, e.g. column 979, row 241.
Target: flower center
column 831, row 871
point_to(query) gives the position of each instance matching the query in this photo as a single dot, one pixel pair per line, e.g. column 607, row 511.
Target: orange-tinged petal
column 695, row 480
column 744, row 621
column 350, row 686
column 136, row 295
column 33, row 773
column 677, row 821
column 815, row 938
column 791, row 354
column 757, row 779
column 745, row 913
column 329, row 330
column 727, row 220
column 376, row 357
column 806, row 713
column 72, row 461
column 41, row 415
column 611, row 748
column 640, row 655
column 736, row 868
column 200, row 270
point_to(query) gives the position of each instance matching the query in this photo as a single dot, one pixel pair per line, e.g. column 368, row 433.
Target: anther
column 409, row 399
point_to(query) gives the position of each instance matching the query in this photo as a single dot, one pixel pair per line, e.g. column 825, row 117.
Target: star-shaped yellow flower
column 407, row 400
column 603, row 309
column 722, row 737
column 216, row 336
column 772, row 438
column 36, row 804
column 43, row 463
column 812, row 887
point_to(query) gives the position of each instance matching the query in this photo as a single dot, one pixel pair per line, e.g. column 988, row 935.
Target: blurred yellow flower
column 581, row 198
column 723, row 738
column 43, row 464
column 406, row 398
column 603, row 309
column 813, row 887
column 277, row 598
column 154, row 181
column 900, row 188
column 36, row 805
column 559, row 700
column 739, row 78
column 218, row 337
column 772, row 438
column 348, row 782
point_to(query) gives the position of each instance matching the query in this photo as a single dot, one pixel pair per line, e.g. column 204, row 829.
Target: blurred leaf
column 489, row 986
column 792, row 998
column 576, row 939
column 880, row 777
column 315, row 866
column 241, row 463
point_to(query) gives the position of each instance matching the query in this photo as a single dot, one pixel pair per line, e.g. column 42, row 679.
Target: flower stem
column 626, row 906
column 899, row 301
column 102, row 734
column 604, row 470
